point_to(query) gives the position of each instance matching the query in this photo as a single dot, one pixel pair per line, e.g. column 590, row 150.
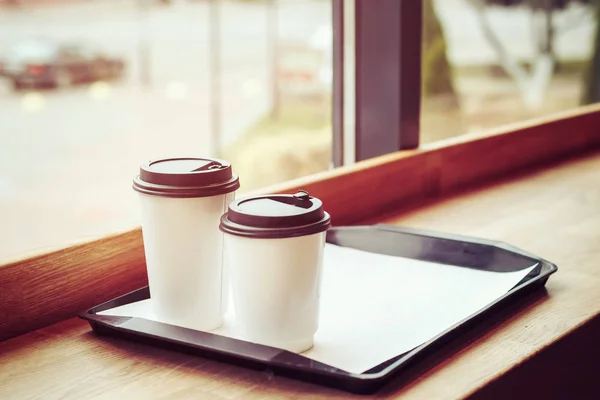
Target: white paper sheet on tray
column 375, row 307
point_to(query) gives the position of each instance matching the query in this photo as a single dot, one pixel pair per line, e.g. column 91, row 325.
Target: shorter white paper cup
column 276, row 288
column 274, row 248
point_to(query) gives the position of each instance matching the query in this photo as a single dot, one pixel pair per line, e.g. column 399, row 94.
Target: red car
column 39, row 64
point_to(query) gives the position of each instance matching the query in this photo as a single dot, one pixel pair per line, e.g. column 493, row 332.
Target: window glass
column 91, row 88
column 491, row 62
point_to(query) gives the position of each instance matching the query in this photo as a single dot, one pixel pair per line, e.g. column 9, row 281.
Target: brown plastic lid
column 276, row 216
column 186, row 177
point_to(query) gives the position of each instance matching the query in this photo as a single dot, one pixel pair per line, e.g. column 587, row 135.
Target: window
column 281, row 88
column 90, row 89
column 491, row 62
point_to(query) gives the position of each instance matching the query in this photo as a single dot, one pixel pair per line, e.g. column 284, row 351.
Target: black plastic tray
column 391, row 240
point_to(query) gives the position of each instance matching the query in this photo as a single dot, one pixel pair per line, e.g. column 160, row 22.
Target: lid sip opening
column 276, row 216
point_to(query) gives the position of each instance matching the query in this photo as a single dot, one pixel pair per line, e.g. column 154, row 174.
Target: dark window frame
column 387, row 77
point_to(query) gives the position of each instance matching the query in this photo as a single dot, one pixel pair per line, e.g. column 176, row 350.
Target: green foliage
column 436, row 70
column 591, row 81
column 295, row 144
column 293, row 115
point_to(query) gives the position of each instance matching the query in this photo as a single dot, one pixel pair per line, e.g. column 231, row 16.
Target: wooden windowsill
column 551, row 212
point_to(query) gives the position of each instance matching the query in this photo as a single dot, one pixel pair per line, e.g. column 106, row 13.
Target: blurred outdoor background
column 91, row 88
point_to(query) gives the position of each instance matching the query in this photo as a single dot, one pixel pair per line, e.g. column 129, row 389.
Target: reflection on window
column 91, row 88
column 492, row 62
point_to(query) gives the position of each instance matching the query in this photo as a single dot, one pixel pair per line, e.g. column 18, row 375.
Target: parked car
column 40, row 64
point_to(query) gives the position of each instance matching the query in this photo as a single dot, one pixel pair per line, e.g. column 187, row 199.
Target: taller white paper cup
column 182, row 201
column 274, row 248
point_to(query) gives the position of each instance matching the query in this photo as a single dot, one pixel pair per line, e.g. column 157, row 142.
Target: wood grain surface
column 51, row 287
column 554, row 213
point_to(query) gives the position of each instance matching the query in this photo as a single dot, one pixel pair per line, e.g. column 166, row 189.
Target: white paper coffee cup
column 274, row 249
column 182, row 200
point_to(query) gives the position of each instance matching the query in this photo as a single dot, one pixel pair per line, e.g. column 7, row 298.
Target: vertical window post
column 214, row 23
column 338, row 82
